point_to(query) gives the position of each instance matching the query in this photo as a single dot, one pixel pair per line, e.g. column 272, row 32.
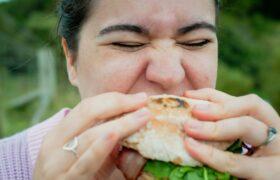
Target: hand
column 230, row 118
column 98, row 139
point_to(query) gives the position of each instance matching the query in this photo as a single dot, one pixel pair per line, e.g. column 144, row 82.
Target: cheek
column 201, row 69
column 120, row 73
column 115, row 71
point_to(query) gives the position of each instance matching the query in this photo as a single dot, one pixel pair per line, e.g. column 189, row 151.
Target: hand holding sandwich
column 228, row 118
column 97, row 132
column 107, row 119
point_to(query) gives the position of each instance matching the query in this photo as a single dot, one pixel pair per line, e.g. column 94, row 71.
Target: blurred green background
column 33, row 81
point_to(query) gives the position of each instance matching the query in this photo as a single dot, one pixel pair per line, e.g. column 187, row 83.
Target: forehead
column 157, row 14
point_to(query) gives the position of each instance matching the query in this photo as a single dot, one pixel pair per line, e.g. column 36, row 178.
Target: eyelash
column 133, row 46
column 127, row 44
column 196, row 43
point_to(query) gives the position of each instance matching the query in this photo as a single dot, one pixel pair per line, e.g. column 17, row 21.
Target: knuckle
column 224, row 111
column 114, row 135
column 212, row 153
column 254, row 99
column 116, row 99
column 216, row 130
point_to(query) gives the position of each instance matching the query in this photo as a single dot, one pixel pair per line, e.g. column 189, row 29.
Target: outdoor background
column 33, row 81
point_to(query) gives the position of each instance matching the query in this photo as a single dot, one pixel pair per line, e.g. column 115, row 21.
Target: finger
column 237, row 165
column 249, row 105
column 270, row 149
column 117, row 150
column 254, row 106
column 117, row 174
column 131, row 163
column 92, row 160
column 107, row 168
column 246, row 128
column 208, row 94
column 122, row 127
column 94, row 110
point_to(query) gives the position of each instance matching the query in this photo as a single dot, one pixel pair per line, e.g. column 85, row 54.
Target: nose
column 165, row 67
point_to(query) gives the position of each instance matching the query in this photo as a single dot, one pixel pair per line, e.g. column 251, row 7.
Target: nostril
column 167, row 71
column 170, row 81
column 166, row 79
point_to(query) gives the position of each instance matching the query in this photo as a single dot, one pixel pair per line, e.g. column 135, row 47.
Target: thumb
column 130, row 163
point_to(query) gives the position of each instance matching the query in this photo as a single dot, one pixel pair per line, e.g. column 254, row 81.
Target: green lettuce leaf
column 163, row 170
column 160, row 170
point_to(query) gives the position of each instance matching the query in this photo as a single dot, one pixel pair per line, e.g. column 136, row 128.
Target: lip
column 155, row 94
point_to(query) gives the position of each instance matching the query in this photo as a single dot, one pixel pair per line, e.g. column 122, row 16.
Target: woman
column 118, row 52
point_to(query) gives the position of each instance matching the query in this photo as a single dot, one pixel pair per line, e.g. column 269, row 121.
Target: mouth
column 162, row 93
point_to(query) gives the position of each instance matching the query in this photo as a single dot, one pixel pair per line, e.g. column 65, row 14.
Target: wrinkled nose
column 165, row 68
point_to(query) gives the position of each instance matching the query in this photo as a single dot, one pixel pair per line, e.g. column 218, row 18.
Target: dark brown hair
column 72, row 15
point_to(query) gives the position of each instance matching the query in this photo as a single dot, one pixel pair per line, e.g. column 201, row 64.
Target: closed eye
column 196, row 43
column 128, row 44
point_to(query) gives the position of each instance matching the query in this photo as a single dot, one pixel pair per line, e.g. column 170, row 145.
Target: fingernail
column 202, row 107
column 193, row 124
column 141, row 96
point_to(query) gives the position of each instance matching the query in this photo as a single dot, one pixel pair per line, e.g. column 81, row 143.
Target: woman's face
column 152, row 46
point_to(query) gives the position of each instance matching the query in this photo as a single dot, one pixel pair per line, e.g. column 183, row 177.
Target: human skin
column 162, row 65
column 160, row 59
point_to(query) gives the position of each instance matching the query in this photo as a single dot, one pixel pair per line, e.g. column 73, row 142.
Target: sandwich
column 161, row 141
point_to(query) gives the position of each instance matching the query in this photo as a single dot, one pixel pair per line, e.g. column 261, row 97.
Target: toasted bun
column 163, row 137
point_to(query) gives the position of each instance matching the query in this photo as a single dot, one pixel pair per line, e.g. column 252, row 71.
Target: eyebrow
column 140, row 30
column 124, row 27
column 197, row 26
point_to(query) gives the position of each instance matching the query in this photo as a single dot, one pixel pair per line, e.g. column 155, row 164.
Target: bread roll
column 163, row 137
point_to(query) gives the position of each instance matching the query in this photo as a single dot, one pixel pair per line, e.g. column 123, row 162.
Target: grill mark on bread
column 182, row 103
column 170, row 103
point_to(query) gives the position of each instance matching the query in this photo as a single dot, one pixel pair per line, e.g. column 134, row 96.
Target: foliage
column 234, row 81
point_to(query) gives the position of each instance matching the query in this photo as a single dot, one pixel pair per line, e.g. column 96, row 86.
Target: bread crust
column 163, row 137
